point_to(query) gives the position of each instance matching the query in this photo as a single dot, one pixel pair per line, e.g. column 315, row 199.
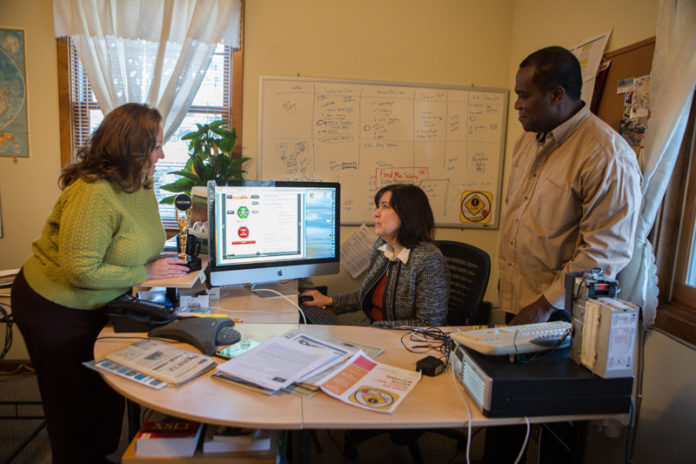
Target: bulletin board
column 450, row 141
column 634, row 60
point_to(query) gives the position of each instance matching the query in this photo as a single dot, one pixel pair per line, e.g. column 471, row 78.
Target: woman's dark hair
column 555, row 67
column 412, row 205
column 118, row 150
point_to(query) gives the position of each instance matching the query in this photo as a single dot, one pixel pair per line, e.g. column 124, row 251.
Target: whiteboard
column 448, row 140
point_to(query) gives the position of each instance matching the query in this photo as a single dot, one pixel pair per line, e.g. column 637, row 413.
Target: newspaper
column 280, row 361
column 161, row 361
column 370, row 385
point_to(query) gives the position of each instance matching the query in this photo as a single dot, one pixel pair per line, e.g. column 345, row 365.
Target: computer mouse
column 303, row 298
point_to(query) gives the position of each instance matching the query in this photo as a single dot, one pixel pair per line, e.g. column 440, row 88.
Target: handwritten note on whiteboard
column 448, row 140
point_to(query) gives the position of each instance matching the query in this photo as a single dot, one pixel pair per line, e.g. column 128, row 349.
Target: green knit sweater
column 95, row 244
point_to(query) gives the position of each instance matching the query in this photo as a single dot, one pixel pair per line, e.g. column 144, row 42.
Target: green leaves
column 210, row 149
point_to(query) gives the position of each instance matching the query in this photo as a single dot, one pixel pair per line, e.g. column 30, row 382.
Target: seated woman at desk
column 103, row 236
column 407, row 278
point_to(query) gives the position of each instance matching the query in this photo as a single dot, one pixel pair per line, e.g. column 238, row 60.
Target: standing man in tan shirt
column 572, row 204
column 573, row 196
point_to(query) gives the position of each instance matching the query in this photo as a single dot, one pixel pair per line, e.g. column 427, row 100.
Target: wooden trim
column 688, row 216
column 64, row 100
column 16, row 366
column 666, row 228
column 674, row 230
column 629, row 48
column 678, row 321
column 237, row 86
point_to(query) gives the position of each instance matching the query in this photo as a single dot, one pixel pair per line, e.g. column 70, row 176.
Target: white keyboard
column 514, row 339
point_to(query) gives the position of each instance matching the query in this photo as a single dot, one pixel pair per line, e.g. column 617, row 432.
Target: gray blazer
column 415, row 293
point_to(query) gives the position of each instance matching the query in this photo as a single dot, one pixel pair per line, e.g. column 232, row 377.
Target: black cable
column 540, row 354
column 9, row 321
column 429, row 339
column 628, row 435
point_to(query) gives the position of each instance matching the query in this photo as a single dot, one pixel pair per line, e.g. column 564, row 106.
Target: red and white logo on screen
column 243, row 232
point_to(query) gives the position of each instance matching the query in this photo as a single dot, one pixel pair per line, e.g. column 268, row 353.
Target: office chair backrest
column 469, row 269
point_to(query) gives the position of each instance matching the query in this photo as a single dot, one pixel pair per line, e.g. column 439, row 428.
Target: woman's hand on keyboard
column 316, row 298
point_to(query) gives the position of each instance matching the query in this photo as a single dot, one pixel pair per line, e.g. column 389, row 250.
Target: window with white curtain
column 177, row 56
column 675, row 237
column 212, row 102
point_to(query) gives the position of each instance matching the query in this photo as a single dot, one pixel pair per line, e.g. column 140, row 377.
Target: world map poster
column 14, row 134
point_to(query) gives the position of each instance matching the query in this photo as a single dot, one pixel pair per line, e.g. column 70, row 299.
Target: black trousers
column 83, row 414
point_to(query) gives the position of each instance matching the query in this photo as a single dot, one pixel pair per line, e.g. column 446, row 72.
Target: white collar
column 389, row 253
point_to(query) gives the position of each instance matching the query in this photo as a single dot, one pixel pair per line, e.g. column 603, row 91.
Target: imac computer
column 263, row 232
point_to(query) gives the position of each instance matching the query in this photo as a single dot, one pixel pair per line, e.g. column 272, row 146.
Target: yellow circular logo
column 475, row 207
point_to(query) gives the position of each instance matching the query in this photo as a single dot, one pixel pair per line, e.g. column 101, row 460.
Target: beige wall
column 28, row 186
column 449, row 42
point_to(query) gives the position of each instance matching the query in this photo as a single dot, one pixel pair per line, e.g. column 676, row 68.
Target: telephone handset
column 132, row 314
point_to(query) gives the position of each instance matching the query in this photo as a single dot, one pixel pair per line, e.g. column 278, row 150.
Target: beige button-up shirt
column 572, row 204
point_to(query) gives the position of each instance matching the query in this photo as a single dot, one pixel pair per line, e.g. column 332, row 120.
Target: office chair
column 469, row 269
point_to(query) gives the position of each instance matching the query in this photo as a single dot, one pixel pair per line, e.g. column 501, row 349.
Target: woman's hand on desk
column 166, row 268
column 318, row 298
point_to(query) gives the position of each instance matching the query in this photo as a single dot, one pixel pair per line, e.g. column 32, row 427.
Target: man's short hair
column 555, row 66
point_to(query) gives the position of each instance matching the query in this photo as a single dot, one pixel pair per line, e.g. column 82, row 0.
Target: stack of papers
column 154, row 360
column 301, row 363
column 221, row 439
column 281, row 361
column 7, row 277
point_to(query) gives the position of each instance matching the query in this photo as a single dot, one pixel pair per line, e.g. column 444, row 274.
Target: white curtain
column 147, row 51
column 672, row 83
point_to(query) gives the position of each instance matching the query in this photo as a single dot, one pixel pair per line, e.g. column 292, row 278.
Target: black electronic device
column 205, row 333
column 430, row 366
column 194, row 263
column 132, row 314
column 555, row 385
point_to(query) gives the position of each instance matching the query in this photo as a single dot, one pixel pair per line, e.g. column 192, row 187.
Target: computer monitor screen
column 265, row 231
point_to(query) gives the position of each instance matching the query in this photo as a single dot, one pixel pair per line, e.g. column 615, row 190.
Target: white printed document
column 355, row 252
column 370, row 385
column 161, row 361
column 278, row 362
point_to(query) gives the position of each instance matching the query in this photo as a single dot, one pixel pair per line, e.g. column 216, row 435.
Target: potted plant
column 210, row 158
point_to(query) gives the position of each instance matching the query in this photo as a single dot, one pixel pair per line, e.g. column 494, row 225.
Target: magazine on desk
column 165, row 362
column 370, row 385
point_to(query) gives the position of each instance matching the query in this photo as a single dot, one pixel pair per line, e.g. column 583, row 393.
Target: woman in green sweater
column 103, row 236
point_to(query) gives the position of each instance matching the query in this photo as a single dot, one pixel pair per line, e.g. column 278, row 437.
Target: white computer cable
column 304, row 319
column 524, row 445
column 468, row 414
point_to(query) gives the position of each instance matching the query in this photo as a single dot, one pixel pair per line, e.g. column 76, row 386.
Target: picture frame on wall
column 14, row 121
